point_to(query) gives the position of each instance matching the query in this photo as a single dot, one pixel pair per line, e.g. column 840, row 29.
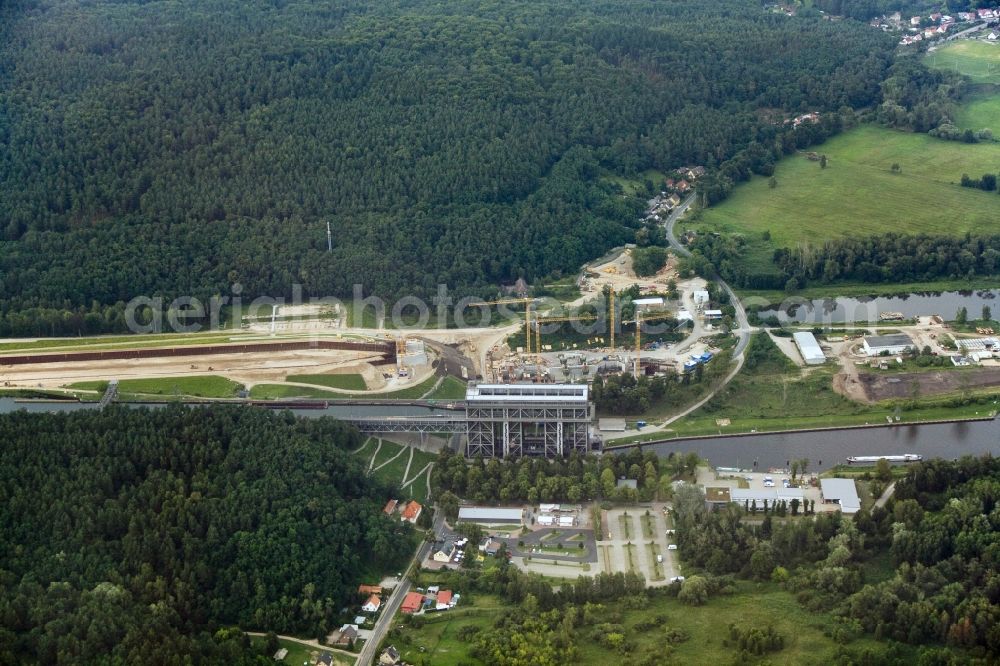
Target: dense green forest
column 940, row 531
column 156, row 148
column 134, row 536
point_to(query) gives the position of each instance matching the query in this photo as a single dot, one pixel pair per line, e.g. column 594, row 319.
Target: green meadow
column 977, row 59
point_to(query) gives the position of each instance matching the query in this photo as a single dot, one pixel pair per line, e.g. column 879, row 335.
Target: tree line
column 142, row 536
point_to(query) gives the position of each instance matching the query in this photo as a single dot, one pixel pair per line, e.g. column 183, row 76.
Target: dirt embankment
column 886, row 386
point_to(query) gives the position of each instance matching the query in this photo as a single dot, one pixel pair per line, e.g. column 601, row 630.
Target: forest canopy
column 135, row 535
column 160, row 148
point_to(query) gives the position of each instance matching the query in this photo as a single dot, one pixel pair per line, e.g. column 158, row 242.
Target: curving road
column 742, row 332
column 744, row 329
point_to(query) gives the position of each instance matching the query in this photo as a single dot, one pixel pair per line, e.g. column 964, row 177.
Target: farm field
column 858, row 194
column 205, row 386
column 978, row 60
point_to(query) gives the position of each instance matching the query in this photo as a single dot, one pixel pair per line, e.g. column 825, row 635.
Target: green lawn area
column 451, row 388
column 754, row 605
column 632, row 186
column 977, row 59
column 385, row 452
column 350, row 382
column 277, row 391
column 980, row 110
column 119, row 341
column 205, row 386
column 625, row 524
column 857, row 194
column 437, row 641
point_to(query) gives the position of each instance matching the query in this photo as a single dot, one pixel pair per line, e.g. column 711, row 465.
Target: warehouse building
column 811, row 352
column 489, row 515
column 897, row 343
column 514, row 420
column 842, row 492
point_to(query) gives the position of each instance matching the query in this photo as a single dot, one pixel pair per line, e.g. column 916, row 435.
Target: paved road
column 743, row 332
column 886, row 494
column 369, row 652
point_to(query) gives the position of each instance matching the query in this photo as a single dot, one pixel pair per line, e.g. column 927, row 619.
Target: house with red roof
column 390, row 507
column 373, row 604
column 443, row 600
column 412, row 602
column 411, row 512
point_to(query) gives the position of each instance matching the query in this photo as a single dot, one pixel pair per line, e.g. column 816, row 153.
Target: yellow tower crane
column 526, row 302
column 639, row 318
column 547, row 320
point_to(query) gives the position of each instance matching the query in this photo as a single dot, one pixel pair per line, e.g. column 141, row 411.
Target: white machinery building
column 811, row 352
column 488, row 515
column 548, row 420
column 843, row 492
column 897, row 343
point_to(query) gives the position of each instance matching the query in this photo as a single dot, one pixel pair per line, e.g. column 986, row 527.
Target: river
column 867, row 309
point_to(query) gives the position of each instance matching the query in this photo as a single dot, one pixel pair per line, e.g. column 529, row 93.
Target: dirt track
column 885, row 386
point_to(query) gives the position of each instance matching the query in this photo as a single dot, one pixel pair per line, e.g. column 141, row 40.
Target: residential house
column 966, row 16
column 412, row 602
column 694, row 173
column 390, row 507
column 519, row 288
column 490, row 546
column 325, row 659
column 683, row 186
column 670, row 183
column 915, row 21
column 935, row 17
column 373, row 604
column 445, row 552
column 443, row 600
column 674, row 200
column 389, row 657
column 369, row 590
column 411, row 512
column 345, row 637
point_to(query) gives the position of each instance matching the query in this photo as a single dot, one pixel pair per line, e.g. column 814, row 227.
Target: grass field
column 395, row 466
column 351, row 382
column 451, row 388
column 753, row 605
column 277, row 391
column 205, row 386
column 857, row 193
column 631, row 186
column 980, row 110
column 978, row 60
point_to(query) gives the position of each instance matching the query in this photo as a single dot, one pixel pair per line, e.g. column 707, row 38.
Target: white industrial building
column 488, row 515
column 514, row 420
column 842, row 492
column 897, row 343
column 771, row 495
column 811, row 352
column 700, row 297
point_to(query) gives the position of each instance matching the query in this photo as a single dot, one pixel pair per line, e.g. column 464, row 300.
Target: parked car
column 677, row 579
column 659, row 559
column 769, row 484
column 672, row 546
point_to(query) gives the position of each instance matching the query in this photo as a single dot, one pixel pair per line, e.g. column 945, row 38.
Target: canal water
column 827, row 448
column 867, row 309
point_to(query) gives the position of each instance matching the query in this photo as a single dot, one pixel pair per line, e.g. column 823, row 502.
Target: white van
column 659, row 559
